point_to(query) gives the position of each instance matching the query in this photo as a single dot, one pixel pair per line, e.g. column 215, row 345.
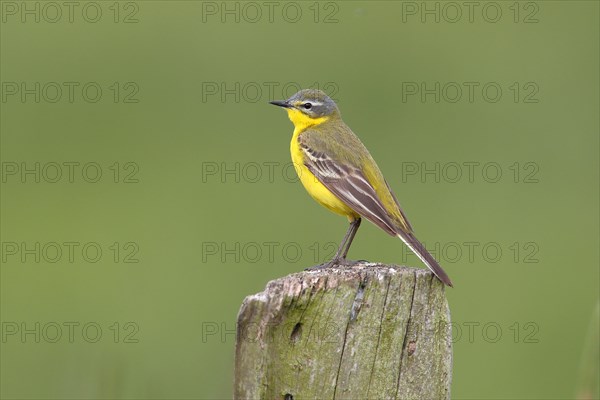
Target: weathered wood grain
column 368, row 331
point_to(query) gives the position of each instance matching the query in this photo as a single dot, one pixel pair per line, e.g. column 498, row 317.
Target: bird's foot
column 329, row 264
column 340, row 262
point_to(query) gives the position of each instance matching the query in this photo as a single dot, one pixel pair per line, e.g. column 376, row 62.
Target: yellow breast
column 313, row 186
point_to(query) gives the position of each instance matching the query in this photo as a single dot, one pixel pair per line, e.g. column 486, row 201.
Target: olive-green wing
column 344, row 166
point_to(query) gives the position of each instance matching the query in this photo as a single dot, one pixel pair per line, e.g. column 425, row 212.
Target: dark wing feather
column 347, row 181
column 405, row 220
column 351, row 186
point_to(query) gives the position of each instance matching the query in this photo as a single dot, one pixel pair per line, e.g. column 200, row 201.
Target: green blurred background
column 187, row 110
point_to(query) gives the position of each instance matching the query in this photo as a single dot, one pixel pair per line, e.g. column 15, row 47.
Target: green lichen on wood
column 367, row 331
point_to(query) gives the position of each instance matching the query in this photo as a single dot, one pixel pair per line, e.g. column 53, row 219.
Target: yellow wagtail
column 338, row 172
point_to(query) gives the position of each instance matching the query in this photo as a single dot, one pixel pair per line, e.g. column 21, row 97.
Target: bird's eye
column 307, row 106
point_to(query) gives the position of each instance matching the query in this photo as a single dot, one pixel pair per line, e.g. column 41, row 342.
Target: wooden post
column 368, row 331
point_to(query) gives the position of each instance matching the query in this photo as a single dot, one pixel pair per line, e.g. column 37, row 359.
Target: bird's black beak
column 281, row 103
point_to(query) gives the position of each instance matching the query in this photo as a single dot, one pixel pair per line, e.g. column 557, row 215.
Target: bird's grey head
column 311, row 102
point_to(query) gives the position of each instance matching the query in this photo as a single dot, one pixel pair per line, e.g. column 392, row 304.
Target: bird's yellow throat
column 312, row 184
column 302, row 121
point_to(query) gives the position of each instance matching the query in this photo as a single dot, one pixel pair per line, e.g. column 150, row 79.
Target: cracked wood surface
column 368, row 331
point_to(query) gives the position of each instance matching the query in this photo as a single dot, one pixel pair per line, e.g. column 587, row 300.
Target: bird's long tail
column 420, row 251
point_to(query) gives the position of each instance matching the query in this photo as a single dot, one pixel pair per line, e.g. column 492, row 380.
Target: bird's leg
column 354, row 225
column 340, row 255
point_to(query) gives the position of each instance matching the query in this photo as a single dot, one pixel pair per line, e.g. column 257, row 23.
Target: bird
column 337, row 170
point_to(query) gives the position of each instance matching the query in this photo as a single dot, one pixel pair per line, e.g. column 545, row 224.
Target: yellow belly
column 314, row 187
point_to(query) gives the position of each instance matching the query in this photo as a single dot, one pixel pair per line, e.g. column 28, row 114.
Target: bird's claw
column 341, row 262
